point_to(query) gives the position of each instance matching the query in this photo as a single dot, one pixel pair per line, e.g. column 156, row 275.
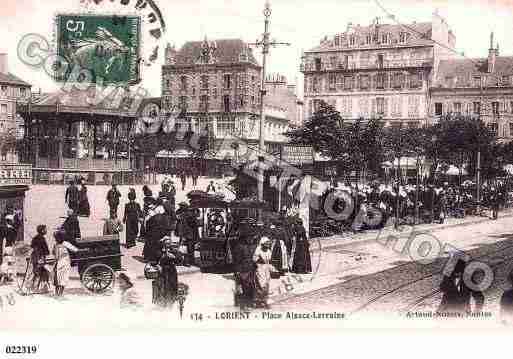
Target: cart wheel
column 97, row 278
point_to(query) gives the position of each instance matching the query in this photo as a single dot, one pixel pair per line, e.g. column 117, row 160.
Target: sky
column 300, row 22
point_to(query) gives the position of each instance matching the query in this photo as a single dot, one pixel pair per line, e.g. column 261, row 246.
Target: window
column 352, row 40
column 504, row 81
column 204, row 103
column 477, row 108
column 449, row 81
column 368, row 39
column 4, row 89
column 316, row 105
column 398, row 80
column 315, row 84
column 318, row 64
column 380, row 81
column 438, row 109
column 183, row 83
column 403, row 37
column 332, row 82
column 345, row 62
column 511, row 129
column 384, row 38
column 204, row 82
column 511, row 106
column 348, row 83
column 3, row 108
column 380, row 61
column 183, row 103
column 477, row 81
column 226, row 103
column 416, row 80
column 194, row 91
column 333, row 62
column 380, row 106
column 494, row 127
column 241, row 101
column 337, row 41
column 241, row 79
column 412, row 124
column 495, row 108
column 227, row 81
column 214, row 92
column 364, row 82
column 22, row 91
column 457, row 107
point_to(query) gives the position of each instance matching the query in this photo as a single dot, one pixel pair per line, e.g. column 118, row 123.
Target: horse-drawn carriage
column 219, row 221
column 96, row 265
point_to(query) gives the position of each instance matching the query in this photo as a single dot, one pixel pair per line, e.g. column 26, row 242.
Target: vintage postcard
column 267, row 165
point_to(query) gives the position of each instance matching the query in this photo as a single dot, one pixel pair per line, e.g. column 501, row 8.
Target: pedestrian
column 71, row 198
column 301, row 259
column 244, row 268
column 62, row 266
column 211, row 187
column 456, row 294
column 38, row 256
column 133, row 215
column 183, row 179
column 165, row 287
column 506, row 303
column 84, row 209
column 113, row 225
column 71, row 227
column 156, row 229
column 130, row 299
column 279, row 257
column 262, row 259
column 195, row 175
column 113, row 197
column 188, row 233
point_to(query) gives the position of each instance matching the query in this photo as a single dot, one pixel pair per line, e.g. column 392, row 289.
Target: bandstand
column 67, row 135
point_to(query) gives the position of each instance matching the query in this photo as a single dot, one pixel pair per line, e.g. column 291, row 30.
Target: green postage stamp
column 108, row 46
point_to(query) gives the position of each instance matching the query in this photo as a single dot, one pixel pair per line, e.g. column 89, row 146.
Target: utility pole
column 265, row 43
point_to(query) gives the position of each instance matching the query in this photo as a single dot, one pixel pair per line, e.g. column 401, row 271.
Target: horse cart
column 96, row 264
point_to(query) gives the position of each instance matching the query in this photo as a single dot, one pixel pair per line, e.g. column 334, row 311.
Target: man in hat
column 156, row 229
column 71, row 227
column 113, row 197
column 71, row 198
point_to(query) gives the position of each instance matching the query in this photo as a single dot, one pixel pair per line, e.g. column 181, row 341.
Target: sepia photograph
column 265, row 165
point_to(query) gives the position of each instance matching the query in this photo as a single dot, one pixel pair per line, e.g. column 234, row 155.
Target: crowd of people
column 430, row 203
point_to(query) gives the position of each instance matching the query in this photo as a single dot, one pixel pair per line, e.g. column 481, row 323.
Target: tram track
column 404, row 289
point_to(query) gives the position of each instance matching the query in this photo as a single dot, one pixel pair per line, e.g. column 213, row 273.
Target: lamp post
column 265, row 43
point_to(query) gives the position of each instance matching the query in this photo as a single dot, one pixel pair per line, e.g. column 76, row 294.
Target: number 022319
column 20, row 349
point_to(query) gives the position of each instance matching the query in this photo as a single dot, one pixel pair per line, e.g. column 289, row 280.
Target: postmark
column 108, row 46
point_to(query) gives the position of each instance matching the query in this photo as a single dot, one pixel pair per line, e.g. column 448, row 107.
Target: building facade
column 216, row 85
column 13, row 90
column 480, row 87
column 378, row 71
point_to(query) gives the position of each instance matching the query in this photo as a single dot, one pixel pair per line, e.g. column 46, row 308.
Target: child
column 7, row 266
column 62, row 267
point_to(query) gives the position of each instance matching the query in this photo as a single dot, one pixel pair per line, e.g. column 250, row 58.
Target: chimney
column 4, row 69
column 492, row 55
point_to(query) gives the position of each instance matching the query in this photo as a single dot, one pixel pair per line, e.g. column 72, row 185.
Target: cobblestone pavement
column 405, row 285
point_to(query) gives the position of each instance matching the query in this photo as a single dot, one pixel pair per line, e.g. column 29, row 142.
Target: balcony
column 367, row 65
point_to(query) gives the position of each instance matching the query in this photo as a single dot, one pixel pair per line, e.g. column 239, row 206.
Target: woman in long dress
column 262, row 259
column 62, row 267
column 165, row 287
column 133, row 214
column 84, row 208
column 302, row 262
column 39, row 253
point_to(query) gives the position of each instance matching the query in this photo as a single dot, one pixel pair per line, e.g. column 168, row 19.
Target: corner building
column 379, row 71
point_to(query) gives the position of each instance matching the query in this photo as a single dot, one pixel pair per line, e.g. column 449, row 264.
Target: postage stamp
column 106, row 45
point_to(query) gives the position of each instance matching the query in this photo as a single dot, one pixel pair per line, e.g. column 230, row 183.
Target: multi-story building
column 216, row 84
column 12, row 90
column 382, row 71
column 480, row 87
